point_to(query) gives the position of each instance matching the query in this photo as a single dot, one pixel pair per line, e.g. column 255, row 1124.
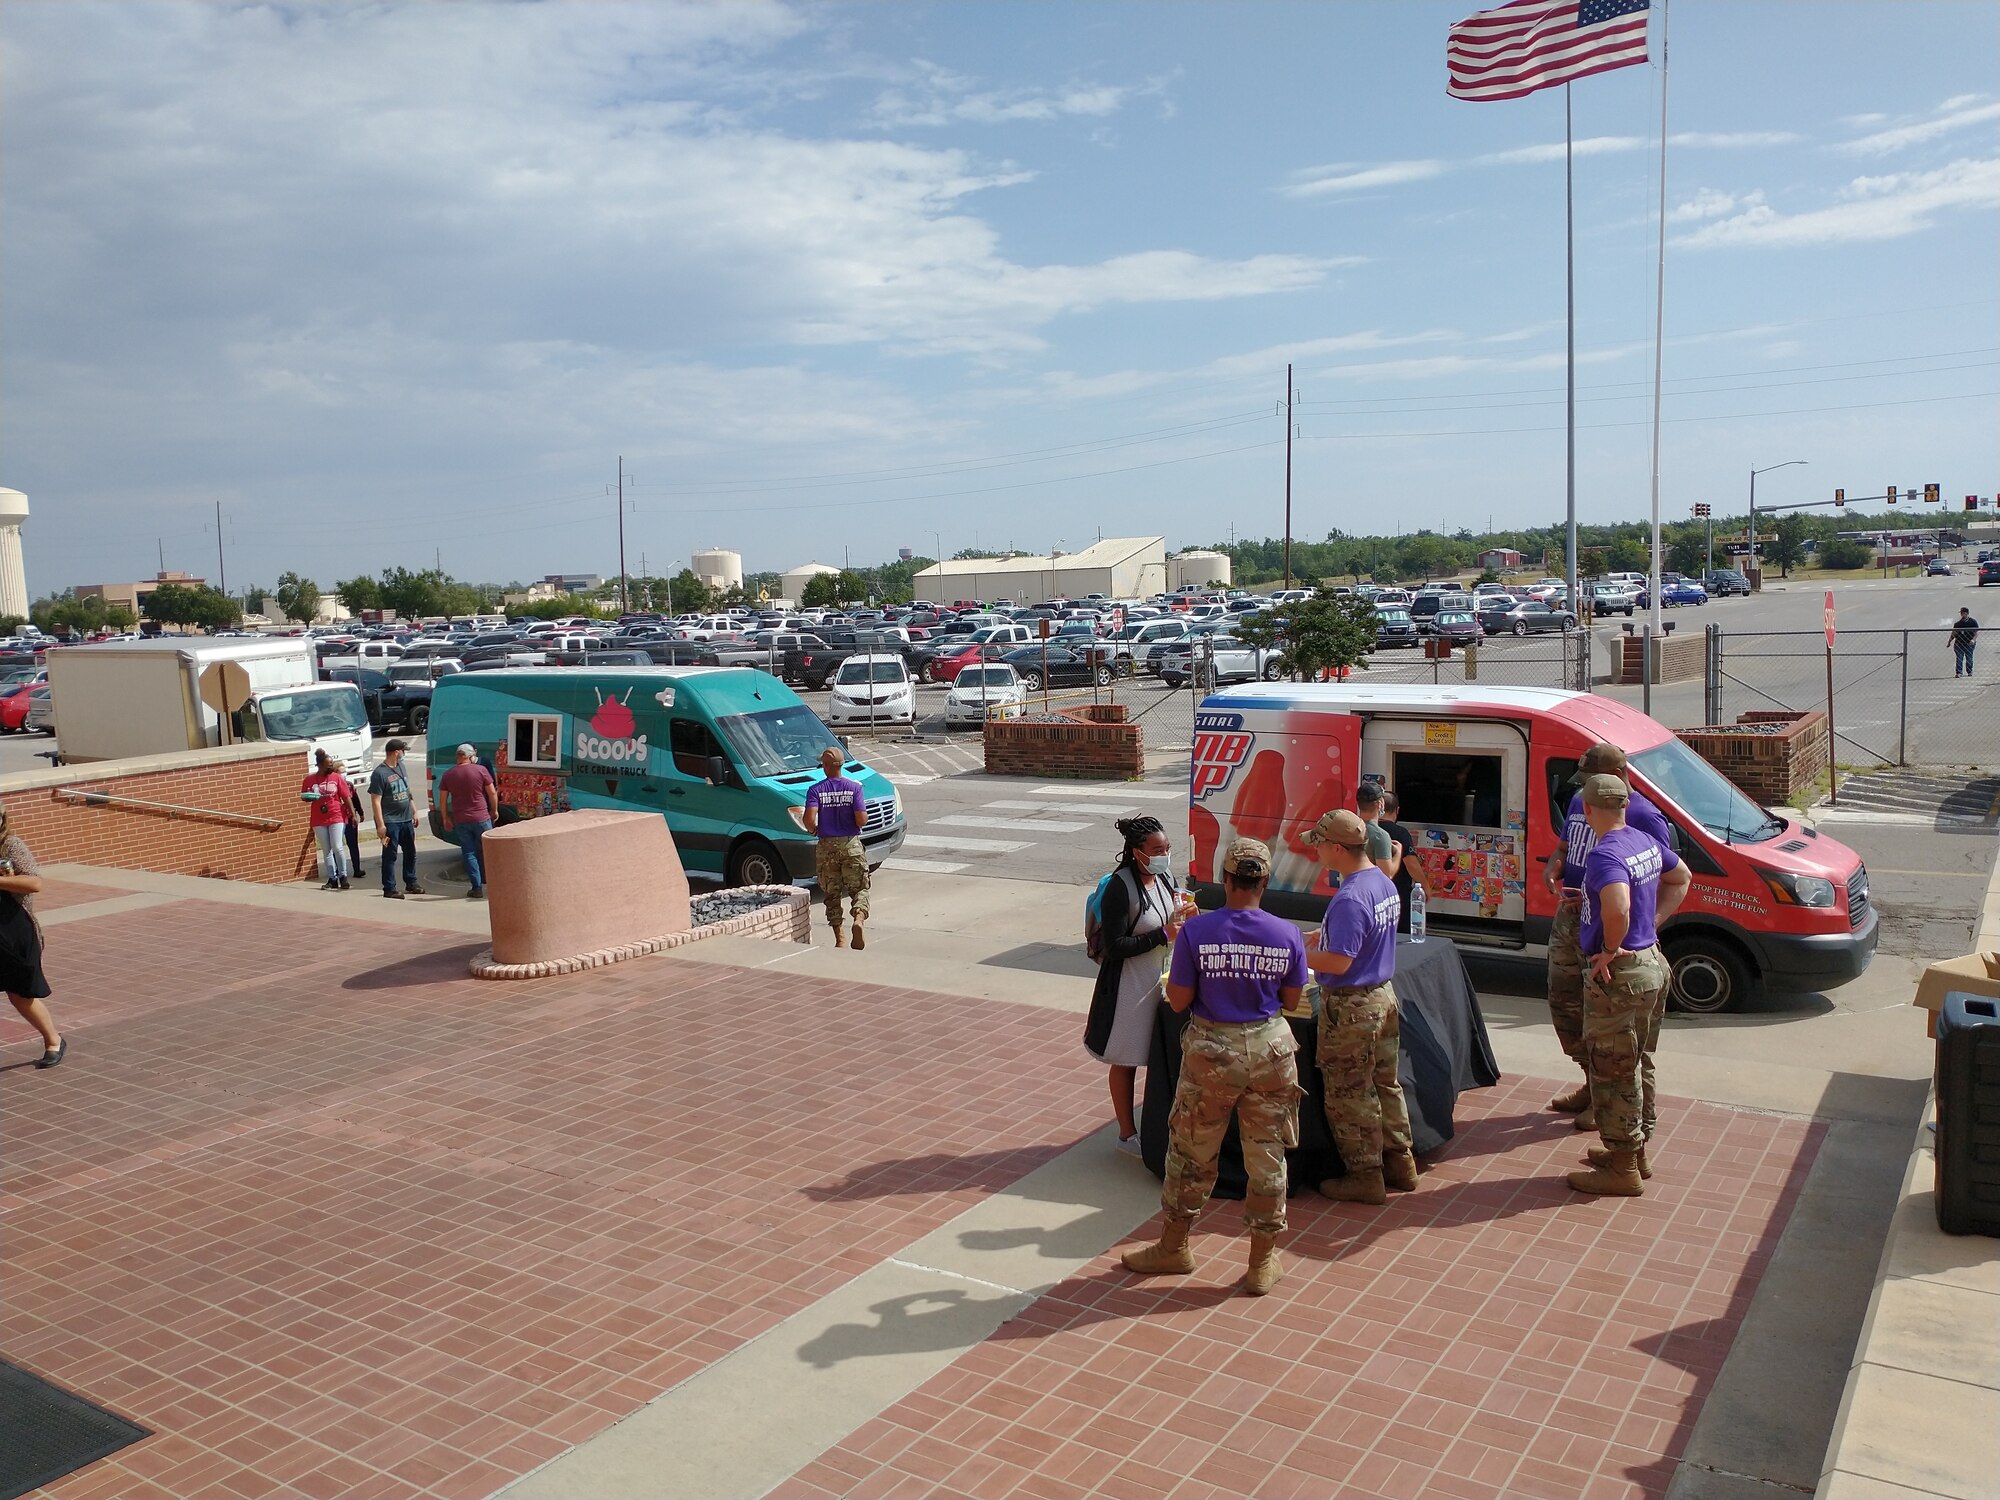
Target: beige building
column 1117, row 568
column 134, row 595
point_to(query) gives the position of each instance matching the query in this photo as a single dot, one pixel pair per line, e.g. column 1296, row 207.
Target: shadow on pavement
column 410, row 973
column 1044, row 958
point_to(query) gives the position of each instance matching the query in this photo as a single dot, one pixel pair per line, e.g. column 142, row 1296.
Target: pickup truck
column 815, row 665
column 406, row 699
column 765, row 650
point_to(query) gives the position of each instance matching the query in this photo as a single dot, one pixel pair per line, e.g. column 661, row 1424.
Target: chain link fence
column 1898, row 696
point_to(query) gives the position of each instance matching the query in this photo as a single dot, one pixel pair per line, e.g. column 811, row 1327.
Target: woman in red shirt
column 328, row 792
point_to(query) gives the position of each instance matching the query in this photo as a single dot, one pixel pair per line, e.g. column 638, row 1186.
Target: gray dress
column 1141, row 982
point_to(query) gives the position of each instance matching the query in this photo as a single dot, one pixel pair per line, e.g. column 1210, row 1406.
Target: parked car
column 1219, row 659
column 1394, row 627
column 1459, row 627
column 872, row 689
column 1526, row 617
column 1425, row 608
column 40, row 717
column 1683, row 591
column 987, row 690
column 406, row 699
column 1609, row 597
column 1722, row 582
column 1065, row 666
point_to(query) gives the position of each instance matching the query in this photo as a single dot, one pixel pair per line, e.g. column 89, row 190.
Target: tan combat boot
column 1399, row 1169
column 1587, row 1120
column 860, row 941
column 1171, row 1257
column 1360, row 1185
column 1265, row 1266
column 839, row 938
column 1597, row 1156
column 1576, row 1099
column 1618, row 1177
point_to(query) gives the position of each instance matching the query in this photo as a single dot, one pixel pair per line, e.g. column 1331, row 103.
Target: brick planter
column 1091, row 742
column 1769, row 756
column 788, row 920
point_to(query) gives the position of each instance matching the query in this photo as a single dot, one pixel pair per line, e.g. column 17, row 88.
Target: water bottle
column 1416, row 914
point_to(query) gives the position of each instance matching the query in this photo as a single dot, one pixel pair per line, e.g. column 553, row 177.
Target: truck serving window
column 1440, row 787
column 534, row 740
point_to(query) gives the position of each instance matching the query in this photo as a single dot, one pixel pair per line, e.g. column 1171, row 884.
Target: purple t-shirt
column 1361, row 923
column 1625, row 856
column 841, row 807
column 1578, row 840
column 1236, row 962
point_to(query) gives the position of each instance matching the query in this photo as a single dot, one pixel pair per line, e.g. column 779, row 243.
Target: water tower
column 13, row 569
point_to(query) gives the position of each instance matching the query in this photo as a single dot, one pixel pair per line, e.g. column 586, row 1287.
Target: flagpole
column 1569, row 295
column 1659, row 330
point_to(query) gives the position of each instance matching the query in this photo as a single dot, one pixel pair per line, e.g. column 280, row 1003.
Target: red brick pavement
column 334, row 1219
column 1490, row 1335
column 56, row 894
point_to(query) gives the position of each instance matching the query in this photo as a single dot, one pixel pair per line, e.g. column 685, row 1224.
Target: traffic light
column 1892, row 494
column 1931, row 494
column 1972, row 502
column 1701, row 510
column 1840, row 498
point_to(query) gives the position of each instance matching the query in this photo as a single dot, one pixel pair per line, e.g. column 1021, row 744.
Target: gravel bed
column 720, row 906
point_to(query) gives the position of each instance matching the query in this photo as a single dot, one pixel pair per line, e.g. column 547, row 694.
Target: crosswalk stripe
column 1109, row 808
column 1014, row 825
column 923, row 866
column 1142, row 793
column 965, row 845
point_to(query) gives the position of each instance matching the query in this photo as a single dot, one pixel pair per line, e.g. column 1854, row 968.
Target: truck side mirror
column 718, row 770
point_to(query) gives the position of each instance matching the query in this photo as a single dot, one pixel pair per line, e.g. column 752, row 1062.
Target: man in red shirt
column 468, row 802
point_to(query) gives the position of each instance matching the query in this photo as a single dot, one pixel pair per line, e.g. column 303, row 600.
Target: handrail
column 209, row 814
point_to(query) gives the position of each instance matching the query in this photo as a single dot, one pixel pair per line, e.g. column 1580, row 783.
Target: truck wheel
column 1709, row 975
column 420, row 718
column 755, row 862
column 1272, row 672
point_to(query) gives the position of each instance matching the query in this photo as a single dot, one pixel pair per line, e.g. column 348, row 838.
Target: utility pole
column 221, row 573
column 624, row 582
column 161, row 542
column 1288, row 475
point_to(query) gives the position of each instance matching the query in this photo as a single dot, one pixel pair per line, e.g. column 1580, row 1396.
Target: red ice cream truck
column 1483, row 775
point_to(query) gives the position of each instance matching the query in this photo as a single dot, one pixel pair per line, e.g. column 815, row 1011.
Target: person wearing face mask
column 1141, row 912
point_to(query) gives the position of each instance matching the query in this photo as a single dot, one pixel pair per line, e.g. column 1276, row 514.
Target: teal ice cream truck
column 724, row 754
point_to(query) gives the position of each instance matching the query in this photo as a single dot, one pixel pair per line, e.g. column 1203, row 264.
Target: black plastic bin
column 1968, row 1115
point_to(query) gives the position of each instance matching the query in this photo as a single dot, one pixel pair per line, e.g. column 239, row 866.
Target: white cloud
column 1872, row 208
column 1315, row 182
column 942, row 97
column 1953, row 115
column 1610, row 145
column 1710, row 204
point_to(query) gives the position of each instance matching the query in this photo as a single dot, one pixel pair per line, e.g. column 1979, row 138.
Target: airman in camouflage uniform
column 1631, row 884
column 835, row 813
column 1237, row 969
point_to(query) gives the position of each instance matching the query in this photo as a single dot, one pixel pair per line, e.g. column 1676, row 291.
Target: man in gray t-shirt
column 1381, row 848
column 395, row 809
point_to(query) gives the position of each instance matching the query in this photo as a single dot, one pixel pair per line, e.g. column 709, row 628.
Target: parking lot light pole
column 1752, row 558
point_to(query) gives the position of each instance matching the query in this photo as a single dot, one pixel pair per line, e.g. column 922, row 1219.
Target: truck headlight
column 1798, row 890
column 798, row 816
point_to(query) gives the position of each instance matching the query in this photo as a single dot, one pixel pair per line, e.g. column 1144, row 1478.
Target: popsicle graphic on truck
column 1258, row 804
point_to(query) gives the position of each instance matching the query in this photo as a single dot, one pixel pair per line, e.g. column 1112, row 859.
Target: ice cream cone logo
column 613, row 718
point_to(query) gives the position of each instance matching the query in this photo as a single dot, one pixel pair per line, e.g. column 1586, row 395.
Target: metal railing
column 169, row 809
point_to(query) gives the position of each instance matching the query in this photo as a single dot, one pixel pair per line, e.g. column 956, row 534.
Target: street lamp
column 1759, row 572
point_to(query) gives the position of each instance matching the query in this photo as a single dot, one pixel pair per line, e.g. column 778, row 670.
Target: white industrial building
column 719, row 569
column 1198, row 569
column 1117, row 568
column 13, row 566
column 792, row 583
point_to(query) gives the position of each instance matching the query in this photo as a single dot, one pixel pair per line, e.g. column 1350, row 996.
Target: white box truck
column 124, row 698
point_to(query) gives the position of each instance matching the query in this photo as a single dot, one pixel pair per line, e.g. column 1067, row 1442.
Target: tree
column 1788, row 543
column 1324, row 632
column 413, row 595
column 849, row 586
column 1422, row 553
column 1841, row 553
column 556, row 608
column 691, row 595
column 212, row 609
column 820, row 592
column 1688, row 552
column 358, row 593
column 120, row 617
column 171, row 604
column 11, row 624
column 299, row 598
column 1629, row 555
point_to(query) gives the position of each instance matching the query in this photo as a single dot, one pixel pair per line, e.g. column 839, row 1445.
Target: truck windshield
column 777, row 740
column 1701, row 791
column 312, row 712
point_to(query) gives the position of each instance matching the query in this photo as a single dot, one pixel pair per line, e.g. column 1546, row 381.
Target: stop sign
column 1829, row 619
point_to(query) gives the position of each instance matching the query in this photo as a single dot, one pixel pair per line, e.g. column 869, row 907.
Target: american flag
column 1536, row 44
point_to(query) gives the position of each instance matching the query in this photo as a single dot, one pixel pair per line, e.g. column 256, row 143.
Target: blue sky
column 401, row 282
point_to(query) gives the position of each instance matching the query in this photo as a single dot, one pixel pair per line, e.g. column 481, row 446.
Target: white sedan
column 873, row 689
column 993, row 691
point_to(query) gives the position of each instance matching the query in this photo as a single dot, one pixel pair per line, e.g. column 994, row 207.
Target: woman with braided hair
column 1140, row 914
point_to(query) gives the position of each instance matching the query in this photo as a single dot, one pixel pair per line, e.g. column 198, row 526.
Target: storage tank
column 13, row 568
column 719, row 569
column 1198, row 570
column 793, row 582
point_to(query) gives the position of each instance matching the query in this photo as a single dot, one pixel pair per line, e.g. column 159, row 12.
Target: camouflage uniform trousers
column 1566, row 980
column 842, row 866
column 1360, row 1039
column 1621, row 1027
column 1247, row 1069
